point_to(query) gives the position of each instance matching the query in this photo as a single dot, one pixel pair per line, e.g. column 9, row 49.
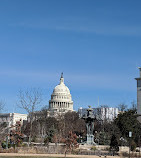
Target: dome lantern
column 61, row 79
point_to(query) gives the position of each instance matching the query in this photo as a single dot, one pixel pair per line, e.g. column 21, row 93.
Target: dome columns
column 65, row 105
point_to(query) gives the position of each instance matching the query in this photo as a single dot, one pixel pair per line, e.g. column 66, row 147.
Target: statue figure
column 90, row 127
column 62, row 75
column 89, row 119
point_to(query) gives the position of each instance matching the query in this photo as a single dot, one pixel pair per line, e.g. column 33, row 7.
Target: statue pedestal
column 90, row 139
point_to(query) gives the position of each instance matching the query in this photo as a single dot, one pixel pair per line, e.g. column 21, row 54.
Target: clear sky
column 96, row 43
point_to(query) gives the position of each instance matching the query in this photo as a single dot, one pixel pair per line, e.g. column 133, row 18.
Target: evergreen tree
column 114, row 144
column 126, row 122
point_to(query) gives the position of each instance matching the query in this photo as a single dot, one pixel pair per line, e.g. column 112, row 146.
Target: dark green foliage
column 47, row 140
column 126, row 122
column 114, row 144
column 34, row 139
column 133, row 146
column 50, row 134
column 104, row 131
column 3, row 144
column 104, row 138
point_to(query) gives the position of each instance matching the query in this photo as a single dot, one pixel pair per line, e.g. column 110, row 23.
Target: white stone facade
column 12, row 118
column 139, row 96
column 107, row 113
column 101, row 113
column 61, row 100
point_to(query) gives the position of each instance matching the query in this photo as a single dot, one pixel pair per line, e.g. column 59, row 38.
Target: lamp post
column 7, row 142
column 130, row 135
column 79, row 139
column 139, row 146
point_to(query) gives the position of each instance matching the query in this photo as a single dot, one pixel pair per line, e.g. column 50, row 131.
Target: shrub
column 24, row 145
column 46, row 140
column 114, row 144
column 133, row 146
column 93, row 148
column 3, row 144
column 137, row 150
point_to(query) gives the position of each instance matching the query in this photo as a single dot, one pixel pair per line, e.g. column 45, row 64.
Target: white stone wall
column 139, row 100
column 108, row 113
column 139, row 93
column 102, row 113
column 12, row 118
column 6, row 118
column 18, row 117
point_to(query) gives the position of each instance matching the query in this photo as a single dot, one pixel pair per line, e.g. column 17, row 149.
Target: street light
column 80, row 139
column 130, row 135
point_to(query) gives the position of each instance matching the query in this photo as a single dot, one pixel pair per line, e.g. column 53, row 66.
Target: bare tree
column 122, row 107
column 133, row 105
column 29, row 100
column 3, row 125
column 2, row 104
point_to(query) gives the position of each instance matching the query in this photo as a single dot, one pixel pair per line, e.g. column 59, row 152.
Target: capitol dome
column 61, row 100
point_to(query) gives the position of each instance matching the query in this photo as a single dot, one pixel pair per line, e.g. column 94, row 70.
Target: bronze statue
column 89, row 119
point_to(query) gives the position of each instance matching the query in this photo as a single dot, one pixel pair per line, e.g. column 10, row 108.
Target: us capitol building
column 61, row 100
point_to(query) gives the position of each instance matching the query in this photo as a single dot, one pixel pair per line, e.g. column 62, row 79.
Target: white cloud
column 100, row 80
column 82, row 25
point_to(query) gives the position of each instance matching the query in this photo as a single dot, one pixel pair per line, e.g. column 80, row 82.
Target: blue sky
column 96, row 43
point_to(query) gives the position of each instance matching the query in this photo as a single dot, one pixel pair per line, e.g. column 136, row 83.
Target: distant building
column 61, row 100
column 11, row 118
column 36, row 115
column 101, row 113
column 139, row 96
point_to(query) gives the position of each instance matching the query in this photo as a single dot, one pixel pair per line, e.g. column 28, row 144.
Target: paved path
column 55, row 155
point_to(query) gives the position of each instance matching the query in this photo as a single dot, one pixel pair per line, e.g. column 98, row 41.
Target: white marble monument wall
column 139, row 96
